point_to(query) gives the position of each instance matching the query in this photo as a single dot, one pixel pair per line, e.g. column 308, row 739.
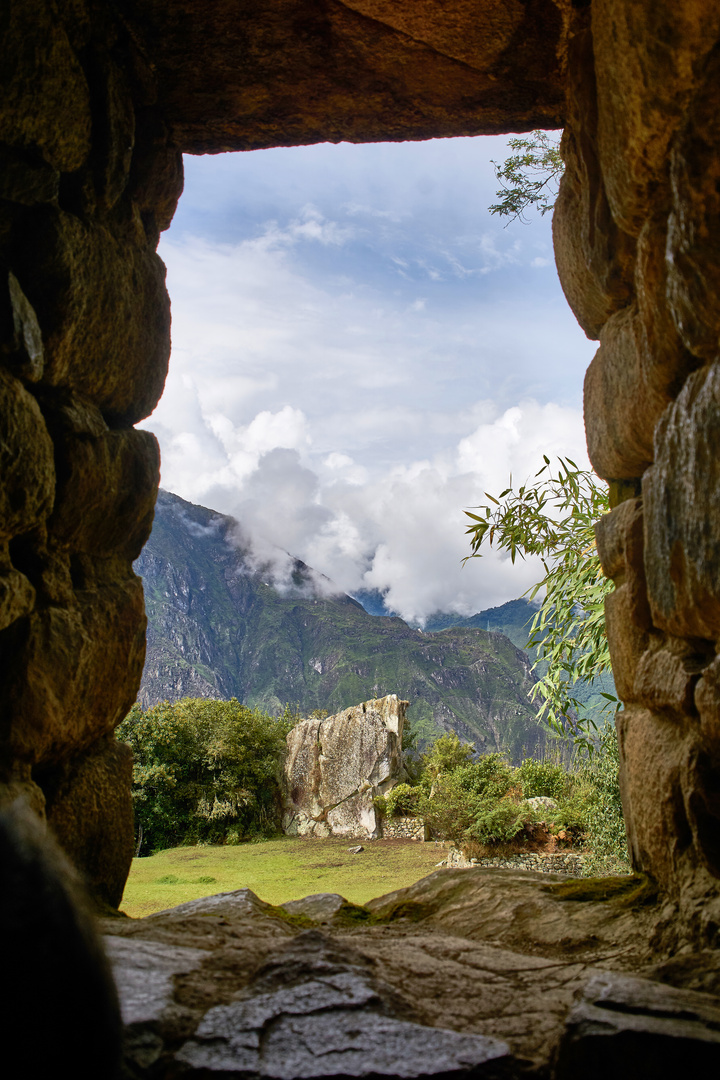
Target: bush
column 446, row 754
column 483, row 800
column 605, row 829
column 490, row 776
column 449, row 812
column 205, row 771
column 402, row 800
column 497, row 822
column 476, row 801
column 571, row 815
column 542, row 778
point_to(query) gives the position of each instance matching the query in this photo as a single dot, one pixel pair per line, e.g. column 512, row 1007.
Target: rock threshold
column 418, row 983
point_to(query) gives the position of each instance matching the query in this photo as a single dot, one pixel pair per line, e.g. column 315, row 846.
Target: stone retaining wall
column 404, row 828
column 570, row 863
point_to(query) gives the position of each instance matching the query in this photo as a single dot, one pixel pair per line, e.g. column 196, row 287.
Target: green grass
column 277, row 870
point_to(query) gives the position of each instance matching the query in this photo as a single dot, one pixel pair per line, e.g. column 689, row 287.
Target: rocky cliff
column 218, row 627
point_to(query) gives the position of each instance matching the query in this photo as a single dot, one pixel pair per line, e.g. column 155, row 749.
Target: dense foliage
column 554, row 516
column 205, row 771
column 605, row 826
column 483, row 803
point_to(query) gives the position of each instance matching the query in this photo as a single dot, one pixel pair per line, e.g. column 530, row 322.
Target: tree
column 529, row 177
column 554, row 517
column 446, row 754
column 204, row 770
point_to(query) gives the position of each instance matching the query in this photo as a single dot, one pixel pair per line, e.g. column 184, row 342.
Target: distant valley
column 220, row 625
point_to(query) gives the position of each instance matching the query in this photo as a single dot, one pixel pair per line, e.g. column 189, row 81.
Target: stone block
column 20, row 789
column 664, row 680
column 693, row 259
column 21, row 344
column 26, row 178
column 319, row 1010
column 681, row 494
column 26, row 460
column 103, row 309
column 293, row 72
column 144, row 974
column 89, row 809
column 635, row 1029
column 664, row 359
column 17, row 595
column 73, row 673
column 156, row 179
column 469, row 950
column 627, row 638
column 654, row 754
column 113, row 132
column 619, row 539
column 47, row 568
column 46, row 101
column 106, row 491
column 49, row 942
column 595, row 260
column 318, row 907
column 622, row 402
column 707, row 703
column 647, row 61
column 702, row 787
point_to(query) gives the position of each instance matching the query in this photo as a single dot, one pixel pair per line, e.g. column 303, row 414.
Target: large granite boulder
column 337, row 766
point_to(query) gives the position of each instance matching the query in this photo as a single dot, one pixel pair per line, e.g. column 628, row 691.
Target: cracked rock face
column 323, row 1013
column 485, row 973
column 335, row 768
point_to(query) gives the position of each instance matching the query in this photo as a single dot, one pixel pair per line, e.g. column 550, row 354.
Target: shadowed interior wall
column 87, row 179
column 637, row 241
column 99, row 101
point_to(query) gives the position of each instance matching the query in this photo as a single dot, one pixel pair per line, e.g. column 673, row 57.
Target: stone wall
column 87, row 181
column 638, row 251
column 541, row 862
column 239, row 76
column 404, row 828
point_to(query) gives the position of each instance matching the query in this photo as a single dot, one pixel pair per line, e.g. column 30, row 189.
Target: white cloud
column 401, row 531
column 358, row 362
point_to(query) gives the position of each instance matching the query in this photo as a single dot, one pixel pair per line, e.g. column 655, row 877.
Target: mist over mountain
column 228, row 620
column 512, row 619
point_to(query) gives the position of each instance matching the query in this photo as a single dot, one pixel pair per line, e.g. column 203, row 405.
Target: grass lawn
column 277, row 870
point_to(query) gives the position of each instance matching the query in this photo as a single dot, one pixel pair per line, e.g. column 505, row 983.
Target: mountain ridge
column 217, row 627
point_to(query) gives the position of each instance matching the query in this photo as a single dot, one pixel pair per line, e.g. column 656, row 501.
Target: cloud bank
column 358, row 363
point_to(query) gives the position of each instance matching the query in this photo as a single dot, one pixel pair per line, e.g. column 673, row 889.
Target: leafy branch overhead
column 529, row 177
column 553, row 517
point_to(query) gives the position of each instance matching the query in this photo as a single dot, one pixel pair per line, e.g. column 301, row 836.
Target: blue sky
column 360, row 350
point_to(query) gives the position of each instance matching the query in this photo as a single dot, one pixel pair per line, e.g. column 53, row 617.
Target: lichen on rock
column 337, row 766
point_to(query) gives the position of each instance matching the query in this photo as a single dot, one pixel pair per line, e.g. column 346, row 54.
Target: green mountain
column 223, row 623
column 513, row 619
